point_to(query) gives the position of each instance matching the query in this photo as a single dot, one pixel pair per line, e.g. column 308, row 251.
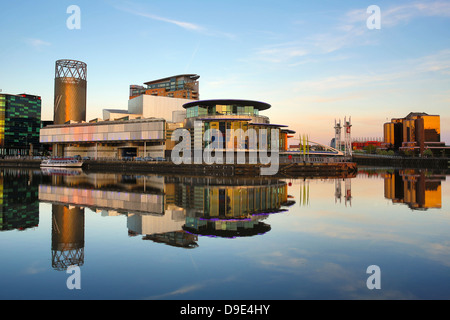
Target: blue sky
column 313, row 61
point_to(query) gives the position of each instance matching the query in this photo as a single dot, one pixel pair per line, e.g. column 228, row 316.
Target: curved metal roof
column 269, row 125
column 211, row 103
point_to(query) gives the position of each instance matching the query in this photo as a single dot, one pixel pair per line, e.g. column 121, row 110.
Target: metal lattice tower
column 348, row 136
column 70, row 91
column 67, row 236
column 337, row 135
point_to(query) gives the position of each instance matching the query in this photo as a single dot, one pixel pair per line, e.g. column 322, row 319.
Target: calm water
column 163, row 237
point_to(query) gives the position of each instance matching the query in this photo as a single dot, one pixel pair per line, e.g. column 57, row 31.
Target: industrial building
column 20, row 123
column 414, row 133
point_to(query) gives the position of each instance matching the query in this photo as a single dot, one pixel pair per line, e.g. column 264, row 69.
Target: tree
column 428, row 153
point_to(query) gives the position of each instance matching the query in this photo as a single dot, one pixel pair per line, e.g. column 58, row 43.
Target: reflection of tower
column 67, row 236
column 70, row 91
column 348, row 136
column 304, row 194
column 338, row 190
column 337, row 134
column 348, row 192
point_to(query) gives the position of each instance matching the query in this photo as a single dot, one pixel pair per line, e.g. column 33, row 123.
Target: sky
column 313, row 61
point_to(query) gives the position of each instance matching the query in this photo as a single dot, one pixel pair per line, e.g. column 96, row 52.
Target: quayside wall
column 288, row 170
column 401, row 162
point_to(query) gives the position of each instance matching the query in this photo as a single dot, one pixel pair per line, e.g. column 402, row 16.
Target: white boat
column 62, row 163
column 54, row 171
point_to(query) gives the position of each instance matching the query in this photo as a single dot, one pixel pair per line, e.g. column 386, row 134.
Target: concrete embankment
column 401, row 162
column 290, row 170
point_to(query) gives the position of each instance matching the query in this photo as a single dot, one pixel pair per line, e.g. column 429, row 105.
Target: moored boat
column 62, row 162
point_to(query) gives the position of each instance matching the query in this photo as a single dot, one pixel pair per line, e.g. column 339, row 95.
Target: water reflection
column 419, row 189
column 67, row 236
column 227, row 207
column 176, row 210
column 19, row 205
column 170, row 210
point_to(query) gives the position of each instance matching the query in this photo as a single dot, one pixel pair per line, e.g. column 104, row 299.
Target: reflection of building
column 67, row 236
column 20, row 122
column 147, row 201
column 416, row 132
column 170, row 210
column 419, row 189
column 228, row 207
column 19, row 206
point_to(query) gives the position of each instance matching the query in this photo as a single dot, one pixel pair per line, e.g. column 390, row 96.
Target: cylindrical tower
column 67, row 237
column 70, row 91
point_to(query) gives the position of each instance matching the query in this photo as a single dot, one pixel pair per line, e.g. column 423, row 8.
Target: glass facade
column 183, row 86
column 20, row 122
column 221, row 110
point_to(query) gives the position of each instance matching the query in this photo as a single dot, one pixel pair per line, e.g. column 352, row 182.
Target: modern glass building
column 416, row 132
column 184, row 86
column 20, row 122
column 238, row 116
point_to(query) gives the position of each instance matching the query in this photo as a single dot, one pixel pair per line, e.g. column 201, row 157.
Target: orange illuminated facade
column 70, row 91
column 420, row 190
column 416, row 132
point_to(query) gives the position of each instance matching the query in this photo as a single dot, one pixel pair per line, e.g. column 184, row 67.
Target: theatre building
column 152, row 137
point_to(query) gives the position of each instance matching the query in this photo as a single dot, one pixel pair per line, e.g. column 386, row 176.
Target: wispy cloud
column 437, row 63
column 349, row 31
column 37, row 44
column 189, row 26
column 185, row 25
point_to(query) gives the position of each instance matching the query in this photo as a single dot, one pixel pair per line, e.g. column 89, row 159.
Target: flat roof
column 225, row 119
column 192, row 76
column 104, row 122
column 22, row 95
column 268, row 125
column 211, row 103
column 116, row 111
